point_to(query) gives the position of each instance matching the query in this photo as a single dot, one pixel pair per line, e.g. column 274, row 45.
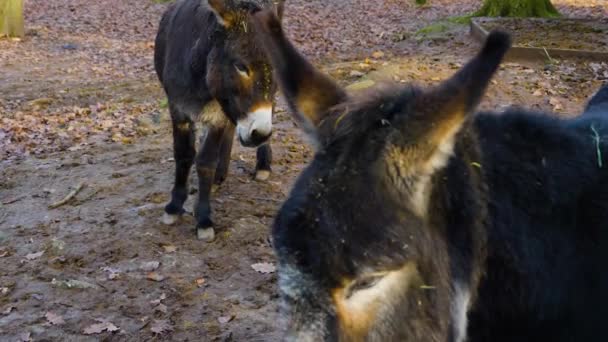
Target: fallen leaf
column 537, row 93
column 150, row 266
column 169, row 248
column 364, row 66
column 595, row 67
column 200, row 282
column 33, row 256
column 225, row 319
column 73, row 284
column 4, row 290
column 8, row 310
column 4, row 254
column 155, row 276
column 113, row 273
column 356, row 73
column 161, row 308
column 157, row 301
column 25, row 337
column 160, row 326
column 264, row 267
column 98, row 328
column 555, row 103
column 54, row 318
column 378, row 54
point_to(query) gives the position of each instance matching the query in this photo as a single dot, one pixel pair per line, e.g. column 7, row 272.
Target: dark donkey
column 208, row 63
column 418, row 220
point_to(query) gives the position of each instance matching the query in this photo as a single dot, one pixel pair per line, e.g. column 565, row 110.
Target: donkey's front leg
column 225, row 151
column 264, row 159
column 183, row 152
column 206, row 164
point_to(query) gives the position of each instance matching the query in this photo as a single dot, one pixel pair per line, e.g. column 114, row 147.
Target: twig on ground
column 67, row 198
column 91, row 195
column 549, row 57
column 13, row 200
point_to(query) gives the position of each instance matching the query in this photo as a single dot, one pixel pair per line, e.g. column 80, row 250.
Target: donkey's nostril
column 255, row 134
column 257, row 137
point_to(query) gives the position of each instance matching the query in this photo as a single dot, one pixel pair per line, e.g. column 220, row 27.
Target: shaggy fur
column 420, row 220
column 206, row 55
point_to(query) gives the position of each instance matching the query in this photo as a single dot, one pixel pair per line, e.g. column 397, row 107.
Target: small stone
column 225, row 319
column 205, row 234
column 264, row 267
column 33, row 256
column 150, row 266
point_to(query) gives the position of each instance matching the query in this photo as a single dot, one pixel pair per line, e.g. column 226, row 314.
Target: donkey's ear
column 310, row 94
column 427, row 136
column 440, row 112
column 222, row 10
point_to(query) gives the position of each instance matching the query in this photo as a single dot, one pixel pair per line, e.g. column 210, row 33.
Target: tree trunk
column 11, row 18
column 517, row 8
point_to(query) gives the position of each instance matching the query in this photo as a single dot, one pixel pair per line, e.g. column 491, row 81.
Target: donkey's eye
column 362, row 284
column 242, row 69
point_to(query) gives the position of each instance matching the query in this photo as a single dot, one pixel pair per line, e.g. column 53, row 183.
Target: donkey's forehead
column 368, row 110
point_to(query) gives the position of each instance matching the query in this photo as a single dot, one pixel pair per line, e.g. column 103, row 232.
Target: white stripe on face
column 260, row 121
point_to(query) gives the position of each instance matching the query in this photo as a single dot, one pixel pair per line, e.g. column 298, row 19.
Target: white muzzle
column 256, row 127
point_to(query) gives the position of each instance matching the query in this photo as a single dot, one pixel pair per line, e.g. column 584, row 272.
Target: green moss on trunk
column 517, row 8
column 11, row 18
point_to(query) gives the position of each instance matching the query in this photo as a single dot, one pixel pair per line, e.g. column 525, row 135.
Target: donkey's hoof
column 205, row 234
column 262, row 175
column 169, row 219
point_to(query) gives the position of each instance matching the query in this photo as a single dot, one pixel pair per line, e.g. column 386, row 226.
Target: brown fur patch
column 313, row 101
column 260, row 105
column 308, row 105
column 357, row 319
column 184, row 126
column 354, row 326
column 246, row 80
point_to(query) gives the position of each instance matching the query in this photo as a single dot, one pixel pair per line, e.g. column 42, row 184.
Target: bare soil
column 553, row 33
column 79, row 103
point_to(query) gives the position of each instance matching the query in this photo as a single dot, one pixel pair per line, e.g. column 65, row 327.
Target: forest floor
column 80, row 104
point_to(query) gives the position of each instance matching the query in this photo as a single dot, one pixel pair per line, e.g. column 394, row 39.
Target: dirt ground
column 79, row 104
